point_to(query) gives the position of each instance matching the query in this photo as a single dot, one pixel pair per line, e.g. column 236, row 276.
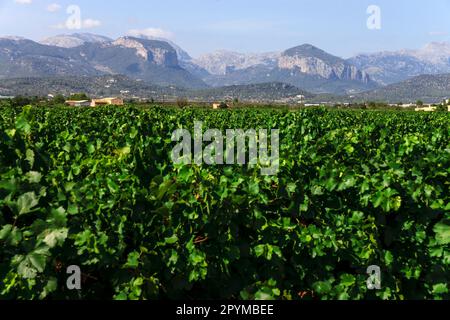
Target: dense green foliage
column 79, row 96
column 96, row 188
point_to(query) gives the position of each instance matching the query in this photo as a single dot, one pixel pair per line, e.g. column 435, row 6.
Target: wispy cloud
column 438, row 33
column 90, row 23
column 85, row 24
column 243, row 24
column 23, row 1
column 151, row 32
column 54, row 7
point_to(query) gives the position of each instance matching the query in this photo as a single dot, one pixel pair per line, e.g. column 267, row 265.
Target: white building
column 427, row 109
column 78, row 103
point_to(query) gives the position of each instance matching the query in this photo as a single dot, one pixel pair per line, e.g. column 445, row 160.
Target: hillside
column 129, row 88
column 305, row 66
column 162, row 62
column 153, row 61
column 74, row 40
column 93, row 86
column 428, row 88
column 273, row 91
column 396, row 66
column 26, row 58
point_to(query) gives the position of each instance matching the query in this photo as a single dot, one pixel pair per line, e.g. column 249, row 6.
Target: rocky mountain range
column 161, row 62
column 391, row 67
column 222, row 62
column 383, row 68
column 305, row 66
column 153, row 61
column 74, row 40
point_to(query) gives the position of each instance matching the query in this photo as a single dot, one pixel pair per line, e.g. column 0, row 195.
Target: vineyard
column 96, row 188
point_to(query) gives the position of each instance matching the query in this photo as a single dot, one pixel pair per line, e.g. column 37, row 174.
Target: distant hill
column 94, row 86
column 125, row 87
column 252, row 92
column 428, row 88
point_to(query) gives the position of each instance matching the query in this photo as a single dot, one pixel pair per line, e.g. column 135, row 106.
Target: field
column 97, row 188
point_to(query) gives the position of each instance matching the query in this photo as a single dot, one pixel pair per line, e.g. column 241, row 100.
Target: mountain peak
column 12, row 38
column 308, row 59
column 146, row 43
column 159, row 52
column 307, row 46
column 221, row 61
column 308, row 50
column 437, row 46
column 182, row 55
column 435, row 53
column 91, row 55
column 74, row 40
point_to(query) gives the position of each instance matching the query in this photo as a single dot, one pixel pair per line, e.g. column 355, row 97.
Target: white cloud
column 151, row 32
column 85, row 24
column 90, row 23
column 23, row 1
column 59, row 26
column 53, row 7
column 438, row 33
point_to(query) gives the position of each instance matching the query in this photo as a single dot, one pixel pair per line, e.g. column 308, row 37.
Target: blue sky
column 200, row 26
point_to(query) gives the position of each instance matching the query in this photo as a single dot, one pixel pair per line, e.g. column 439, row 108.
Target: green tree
column 59, row 99
column 223, row 105
column 79, row 96
column 182, row 102
column 372, row 105
column 442, row 108
column 20, row 101
column 419, row 103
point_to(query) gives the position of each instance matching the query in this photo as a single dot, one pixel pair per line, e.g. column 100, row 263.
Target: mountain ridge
column 428, row 88
column 150, row 60
column 389, row 67
column 304, row 66
column 162, row 62
column 73, row 40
